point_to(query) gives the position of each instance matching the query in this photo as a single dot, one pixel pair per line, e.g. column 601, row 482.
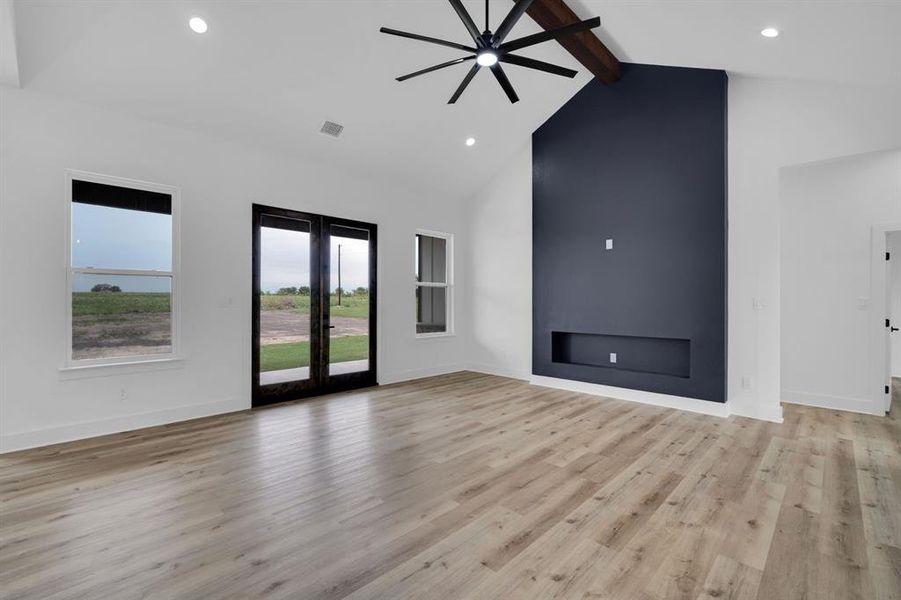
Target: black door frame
column 319, row 382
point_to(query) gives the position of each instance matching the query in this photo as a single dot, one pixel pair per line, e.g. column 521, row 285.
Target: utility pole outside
column 339, row 275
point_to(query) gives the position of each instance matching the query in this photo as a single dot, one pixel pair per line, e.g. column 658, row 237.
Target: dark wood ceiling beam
column 585, row 46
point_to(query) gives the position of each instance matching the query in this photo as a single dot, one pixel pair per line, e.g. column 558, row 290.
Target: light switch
column 609, row 244
column 613, row 357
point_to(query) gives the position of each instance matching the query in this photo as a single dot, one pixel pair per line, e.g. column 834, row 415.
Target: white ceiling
column 269, row 73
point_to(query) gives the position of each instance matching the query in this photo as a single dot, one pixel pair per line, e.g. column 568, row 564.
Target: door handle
column 330, row 327
column 893, row 329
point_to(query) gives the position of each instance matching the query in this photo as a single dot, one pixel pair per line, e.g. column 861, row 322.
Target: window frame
column 448, row 285
column 174, row 274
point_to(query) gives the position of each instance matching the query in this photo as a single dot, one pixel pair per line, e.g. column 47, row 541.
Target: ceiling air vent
column 332, row 129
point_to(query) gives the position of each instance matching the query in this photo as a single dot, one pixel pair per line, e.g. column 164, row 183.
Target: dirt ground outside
column 128, row 334
column 283, row 326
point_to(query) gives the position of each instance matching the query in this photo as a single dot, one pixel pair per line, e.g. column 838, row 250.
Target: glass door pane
column 348, row 299
column 314, row 327
column 285, row 300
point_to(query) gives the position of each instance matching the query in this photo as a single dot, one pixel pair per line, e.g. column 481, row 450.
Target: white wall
column 499, row 266
column 9, row 55
column 43, row 135
column 894, row 244
column 828, row 209
column 772, row 123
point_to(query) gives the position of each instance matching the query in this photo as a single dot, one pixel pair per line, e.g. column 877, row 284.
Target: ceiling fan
column 490, row 49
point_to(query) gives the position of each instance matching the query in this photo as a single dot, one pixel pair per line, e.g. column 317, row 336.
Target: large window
column 433, row 264
column 121, row 275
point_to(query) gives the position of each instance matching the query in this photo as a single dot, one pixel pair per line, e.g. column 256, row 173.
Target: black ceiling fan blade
column 467, row 21
column 425, row 38
column 511, row 19
column 539, row 65
column 449, row 63
column 505, row 83
column 531, row 40
column 463, row 84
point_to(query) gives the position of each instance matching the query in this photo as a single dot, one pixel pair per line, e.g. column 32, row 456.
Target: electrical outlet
column 746, row 382
column 608, row 245
column 122, row 395
column 613, row 357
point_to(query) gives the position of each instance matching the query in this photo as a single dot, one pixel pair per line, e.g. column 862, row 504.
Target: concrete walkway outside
column 301, row 373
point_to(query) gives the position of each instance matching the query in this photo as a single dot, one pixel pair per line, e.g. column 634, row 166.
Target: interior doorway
column 893, row 315
column 314, row 304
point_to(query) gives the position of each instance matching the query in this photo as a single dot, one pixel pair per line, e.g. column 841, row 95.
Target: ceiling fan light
column 490, row 48
column 486, row 59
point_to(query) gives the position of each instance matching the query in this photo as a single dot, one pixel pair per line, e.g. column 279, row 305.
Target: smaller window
column 433, row 259
column 122, row 270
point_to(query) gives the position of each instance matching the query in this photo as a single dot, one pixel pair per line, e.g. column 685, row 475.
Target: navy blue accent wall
column 641, row 162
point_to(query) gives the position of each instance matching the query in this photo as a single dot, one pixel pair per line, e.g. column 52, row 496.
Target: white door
column 893, row 310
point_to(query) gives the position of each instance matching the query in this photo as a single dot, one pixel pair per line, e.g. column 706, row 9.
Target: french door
column 314, row 304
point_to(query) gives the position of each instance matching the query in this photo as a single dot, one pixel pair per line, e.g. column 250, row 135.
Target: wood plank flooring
column 461, row 486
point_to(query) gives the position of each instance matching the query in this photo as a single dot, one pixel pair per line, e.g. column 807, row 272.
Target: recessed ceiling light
column 470, row 141
column 769, row 32
column 197, row 25
column 486, row 59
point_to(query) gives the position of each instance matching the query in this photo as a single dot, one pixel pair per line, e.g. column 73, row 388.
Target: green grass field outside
column 119, row 303
column 351, row 306
column 116, row 303
column 106, row 305
column 274, row 357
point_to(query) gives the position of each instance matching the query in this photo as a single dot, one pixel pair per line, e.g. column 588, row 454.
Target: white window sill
column 120, row 368
column 430, row 336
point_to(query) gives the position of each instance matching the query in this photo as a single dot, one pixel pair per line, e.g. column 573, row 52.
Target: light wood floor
column 462, row 486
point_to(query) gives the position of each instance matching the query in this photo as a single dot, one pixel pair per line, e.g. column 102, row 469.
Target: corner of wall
column 499, row 370
column 763, row 411
column 411, row 374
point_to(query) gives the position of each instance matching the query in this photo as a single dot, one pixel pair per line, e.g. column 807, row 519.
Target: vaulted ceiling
column 269, row 73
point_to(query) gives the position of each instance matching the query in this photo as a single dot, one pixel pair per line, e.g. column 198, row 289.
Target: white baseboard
column 77, row 431
column 694, row 405
column 772, row 413
column 88, row 429
column 498, row 370
column 410, row 374
column 846, row 403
